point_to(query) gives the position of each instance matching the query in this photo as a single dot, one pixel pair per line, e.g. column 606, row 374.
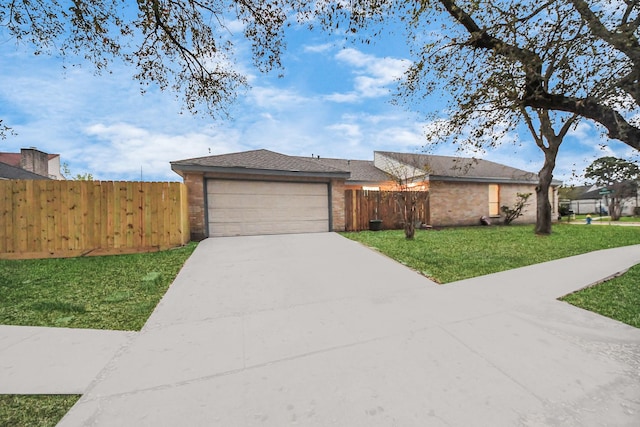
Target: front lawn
column 116, row 292
column 34, row 410
column 111, row 292
column 618, row 298
column 454, row 254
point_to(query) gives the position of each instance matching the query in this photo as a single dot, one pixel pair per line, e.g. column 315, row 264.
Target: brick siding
column 463, row 203
column 195, row 197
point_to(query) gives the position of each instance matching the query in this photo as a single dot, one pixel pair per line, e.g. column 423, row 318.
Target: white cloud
column 235, row 26
column 351, row 133
column 339, row 98
column 583, row 130
column 276, row 98
column 123, row 150
column 373, row 74
column 319, row 48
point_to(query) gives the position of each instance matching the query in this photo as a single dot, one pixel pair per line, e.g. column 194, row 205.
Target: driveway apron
column 317, row 330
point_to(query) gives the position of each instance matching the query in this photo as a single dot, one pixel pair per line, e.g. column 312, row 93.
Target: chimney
column 35, row 161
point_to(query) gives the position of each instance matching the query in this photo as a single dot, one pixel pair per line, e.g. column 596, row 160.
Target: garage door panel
column 255, row 207
column 258, row 187
column 238, row 215
column 244, row 201
column 250, row 229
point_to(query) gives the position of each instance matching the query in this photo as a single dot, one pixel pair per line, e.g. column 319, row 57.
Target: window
column 494, row 200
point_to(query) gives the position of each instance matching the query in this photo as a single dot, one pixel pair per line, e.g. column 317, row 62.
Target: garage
column 247, row 207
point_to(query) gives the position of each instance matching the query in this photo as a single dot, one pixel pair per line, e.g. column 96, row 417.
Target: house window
column 494, row 200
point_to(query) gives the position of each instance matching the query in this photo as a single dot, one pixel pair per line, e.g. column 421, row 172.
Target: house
column 31, row 160
column 464, row 189
column 263, row 192
column 593, row 199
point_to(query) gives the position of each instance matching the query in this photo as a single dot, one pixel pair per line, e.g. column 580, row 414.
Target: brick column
column 195, row 196
column 337, row 204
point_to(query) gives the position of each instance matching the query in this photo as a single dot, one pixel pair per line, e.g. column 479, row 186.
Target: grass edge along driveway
column 454, row 254
column 116, row 292
column 108, row 292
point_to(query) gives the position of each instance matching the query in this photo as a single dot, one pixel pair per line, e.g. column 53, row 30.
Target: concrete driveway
column 317, row 330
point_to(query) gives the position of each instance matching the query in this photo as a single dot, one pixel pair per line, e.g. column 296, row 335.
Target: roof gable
column 457, row 168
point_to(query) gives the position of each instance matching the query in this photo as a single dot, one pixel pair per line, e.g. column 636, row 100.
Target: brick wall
column 508, row 196
column 337, row 204
column 463, row 203
column 196, row 196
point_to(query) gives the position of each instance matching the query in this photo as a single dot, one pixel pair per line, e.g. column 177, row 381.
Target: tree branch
column 616, row 125
column 535, row 94
column 622, row 39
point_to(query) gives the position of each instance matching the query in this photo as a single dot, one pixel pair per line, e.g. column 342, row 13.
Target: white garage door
column 245, row 208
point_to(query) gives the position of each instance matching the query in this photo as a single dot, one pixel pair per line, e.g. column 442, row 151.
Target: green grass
column 604, row 219
column 110, row 292
column 626, row 219
column 34, row 410
column 460, row 253
column 454, row 254
column 618, row 298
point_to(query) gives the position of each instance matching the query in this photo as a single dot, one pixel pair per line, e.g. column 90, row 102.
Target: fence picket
column 361, row 206
column 69, row 218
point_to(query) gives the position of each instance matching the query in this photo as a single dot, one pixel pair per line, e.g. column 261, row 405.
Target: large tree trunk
column 615, row 209
column 543, row 206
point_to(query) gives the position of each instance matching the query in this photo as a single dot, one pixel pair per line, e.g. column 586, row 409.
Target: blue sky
column 333, row 101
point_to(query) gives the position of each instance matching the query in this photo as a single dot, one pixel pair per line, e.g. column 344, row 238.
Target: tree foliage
column 182, row 45
column 607, row 171
column 561, row 55
column 503, row 63
column 619, row 177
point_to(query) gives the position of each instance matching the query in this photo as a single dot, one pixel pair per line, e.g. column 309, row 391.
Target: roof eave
column 488, row 180
column 251, row 171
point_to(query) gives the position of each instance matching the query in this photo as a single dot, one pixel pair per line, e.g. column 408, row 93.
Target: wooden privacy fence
column 48, row 218
column 361, row 206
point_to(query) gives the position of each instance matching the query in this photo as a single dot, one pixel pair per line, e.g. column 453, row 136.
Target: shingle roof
column 257, row 160
column 11, row 172
column 462, row 168
column 437, row 167
column 361, row 170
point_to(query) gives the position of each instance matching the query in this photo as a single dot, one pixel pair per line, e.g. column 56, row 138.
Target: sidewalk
column 54, row 360
column 317, row 330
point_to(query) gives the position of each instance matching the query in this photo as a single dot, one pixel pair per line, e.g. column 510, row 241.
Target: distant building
column 37, row 164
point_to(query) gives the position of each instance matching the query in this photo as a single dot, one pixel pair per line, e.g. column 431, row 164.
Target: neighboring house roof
column 11, row 172
column 582, row 192
column 447, row 168
column 592, row 192
column 14, row 159
column 361, row 170
column 259, row 162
